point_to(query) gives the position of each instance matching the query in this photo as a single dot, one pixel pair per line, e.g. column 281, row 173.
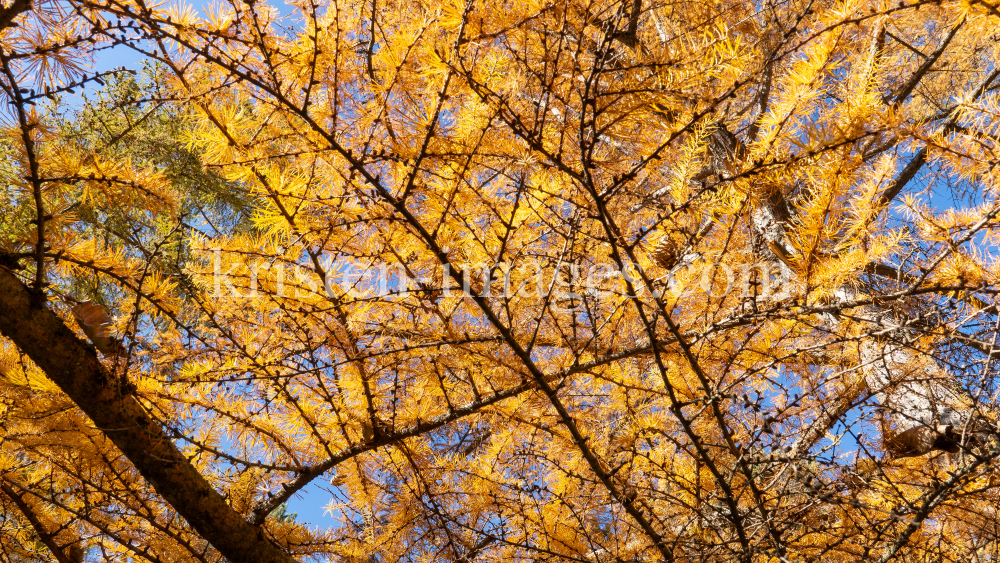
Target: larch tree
column 517, row 281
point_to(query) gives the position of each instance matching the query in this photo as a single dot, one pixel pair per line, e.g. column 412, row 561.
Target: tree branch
column 44, row 535
column 8, row 14
column 907, row 89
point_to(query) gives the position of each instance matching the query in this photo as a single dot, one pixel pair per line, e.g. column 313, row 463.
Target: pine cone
column 666, row 252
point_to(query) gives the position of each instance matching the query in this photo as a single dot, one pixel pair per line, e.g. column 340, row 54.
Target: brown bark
column 75, row 368
column 16, row 8
column 917, row 395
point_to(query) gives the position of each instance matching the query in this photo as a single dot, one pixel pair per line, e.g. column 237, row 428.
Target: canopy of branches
column 535, row 280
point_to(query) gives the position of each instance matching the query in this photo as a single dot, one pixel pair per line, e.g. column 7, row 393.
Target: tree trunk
column 75, row 368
